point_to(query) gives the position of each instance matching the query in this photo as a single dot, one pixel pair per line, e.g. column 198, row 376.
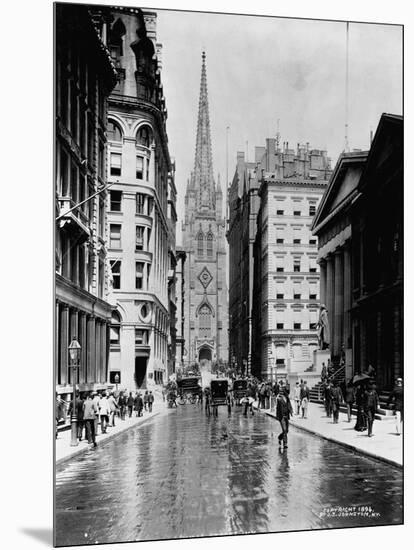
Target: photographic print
column 228, row 347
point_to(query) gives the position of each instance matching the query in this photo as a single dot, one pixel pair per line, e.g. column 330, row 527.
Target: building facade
column 141, row 206
column 206, row 314
column 85, row 76
column 360, row 229
column 180, row 304
column 243, row 206
column 286, row 274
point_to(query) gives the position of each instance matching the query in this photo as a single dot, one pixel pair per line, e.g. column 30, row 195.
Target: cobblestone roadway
column 186, row 475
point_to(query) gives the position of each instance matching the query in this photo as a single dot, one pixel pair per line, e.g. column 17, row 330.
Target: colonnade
column 336, row 294
column 92, row 333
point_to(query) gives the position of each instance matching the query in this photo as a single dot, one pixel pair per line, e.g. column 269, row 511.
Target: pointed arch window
column 210, row 245
column 114, row 132
column 200, row 244
column 144, row 136
column 204, row 321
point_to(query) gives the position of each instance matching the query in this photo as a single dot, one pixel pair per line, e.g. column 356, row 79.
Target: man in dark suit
column 283, row 413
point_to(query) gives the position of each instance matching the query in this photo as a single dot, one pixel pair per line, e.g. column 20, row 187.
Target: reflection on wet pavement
column 187, row 475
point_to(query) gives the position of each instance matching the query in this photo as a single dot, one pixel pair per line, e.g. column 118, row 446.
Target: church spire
column 203, row 163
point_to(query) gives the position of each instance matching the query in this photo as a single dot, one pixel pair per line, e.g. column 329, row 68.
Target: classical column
column 330, row 289
column 347, row 295
column 339, row 302
column 322, row 281
column 84, row 352
column 102, row 367
column 64, row 343
column 90, row 338
column 57, row 356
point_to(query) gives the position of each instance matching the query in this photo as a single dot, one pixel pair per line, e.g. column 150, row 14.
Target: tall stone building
column 85, row 76
column 205, row 313
column 141, row 207
column 286, row 275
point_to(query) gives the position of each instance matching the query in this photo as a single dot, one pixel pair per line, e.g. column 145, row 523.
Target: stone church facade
column 205, row 307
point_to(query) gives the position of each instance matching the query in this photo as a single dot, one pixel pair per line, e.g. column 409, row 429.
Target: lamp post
column 74, row 355
column 116, row 381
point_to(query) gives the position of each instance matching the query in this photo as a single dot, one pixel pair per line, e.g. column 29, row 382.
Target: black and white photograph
column 228, row 264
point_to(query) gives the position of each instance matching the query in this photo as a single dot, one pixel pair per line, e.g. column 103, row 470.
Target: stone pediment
column 342, row 187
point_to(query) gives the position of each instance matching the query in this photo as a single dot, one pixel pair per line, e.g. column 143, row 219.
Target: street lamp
column 116, row 381
column 74, row 355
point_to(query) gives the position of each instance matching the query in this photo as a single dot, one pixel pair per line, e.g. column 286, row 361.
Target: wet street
column 183, row 474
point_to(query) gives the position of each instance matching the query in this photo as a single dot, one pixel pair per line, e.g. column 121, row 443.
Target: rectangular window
column 296, row 296
column 116, row 164
column 280, row 241
column 312, row 241
column 296, row 241
column 279, row 296
column 147, row 170
column 280, row 362
column 114, row 235
column 297, row 326
column 116, row 273
column 139, row 237
column 101, row 161
column 312, row 210
column 141, row 337
column 280, row 269
column 115, row 201
column 140, row 203
column 312, row 296
column 296, row 265
column 101, row 218
column 101, row 273
column 114, row 335
column 74, row 183
column 312, row 270
column 279, row 325
column 280, row 212
column 139, row 275
column 312, row 326
column 63, row 173
column 296, row 212
column 140, row 168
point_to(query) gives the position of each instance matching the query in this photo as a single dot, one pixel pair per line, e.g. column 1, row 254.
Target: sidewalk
column 64, row 451
column 385, row 445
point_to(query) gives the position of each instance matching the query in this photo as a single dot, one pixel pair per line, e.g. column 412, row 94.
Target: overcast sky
column 261, row 69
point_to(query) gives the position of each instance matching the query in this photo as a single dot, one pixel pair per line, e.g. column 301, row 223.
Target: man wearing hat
column 283, row 413
column 370, row 406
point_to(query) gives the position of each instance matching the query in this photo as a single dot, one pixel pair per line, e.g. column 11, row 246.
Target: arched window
column 115, row 329
column 200, row 244
column 144, row 136
column 210, row 245
column 205, row 321
column 114, row 132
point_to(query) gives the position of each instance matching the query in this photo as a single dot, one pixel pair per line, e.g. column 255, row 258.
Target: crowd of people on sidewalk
column 102, row 408
column 361, row 393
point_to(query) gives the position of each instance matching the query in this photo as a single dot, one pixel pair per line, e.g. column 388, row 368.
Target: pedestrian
column 370, row 406
column 283, row 413
column 349, row 398
column 96, row 397
column 262, row 396
column 337, row 399
column 304, row 399
column 105, row 412
column 130, row 404
column 89, row 415
column 146, row 400
column 361, row 421
column 79, row 414
column 113, row 406
column 397, row 396
column 140, row 404
column 150, row 401
column 327, row 398
column 122, row 401
column 296, row 398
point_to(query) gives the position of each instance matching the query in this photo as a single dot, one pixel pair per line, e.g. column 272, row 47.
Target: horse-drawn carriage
column 218, row 394
column 239, row 390
column 189, row 390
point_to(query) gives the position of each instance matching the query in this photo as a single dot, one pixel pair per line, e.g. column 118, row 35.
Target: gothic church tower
column 206, row 311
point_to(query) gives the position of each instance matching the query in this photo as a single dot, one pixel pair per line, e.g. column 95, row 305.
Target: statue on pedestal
column 323, row 328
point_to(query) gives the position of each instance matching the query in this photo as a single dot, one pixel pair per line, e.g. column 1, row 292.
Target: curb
column 346, row 445
column 85, row 449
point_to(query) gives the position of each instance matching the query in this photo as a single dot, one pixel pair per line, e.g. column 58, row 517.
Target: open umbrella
column 360, row 378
